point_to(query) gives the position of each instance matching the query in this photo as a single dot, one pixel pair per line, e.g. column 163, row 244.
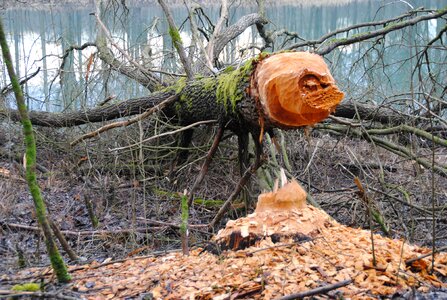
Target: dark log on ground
column 285, row 90
column 136, row 106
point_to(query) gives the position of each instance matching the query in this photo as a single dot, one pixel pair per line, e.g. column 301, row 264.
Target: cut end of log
column 282, row 216
column 295, row 89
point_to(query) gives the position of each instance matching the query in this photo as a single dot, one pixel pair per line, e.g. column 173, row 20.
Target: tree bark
column 381, row 114
column 135, row 106
column 57, row 262
column 244, row 99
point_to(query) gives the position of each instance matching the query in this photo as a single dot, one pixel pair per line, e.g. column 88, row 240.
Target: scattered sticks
column 86, row 232
column 317, row 291
column 410, row 261
column 128, row 122
column 206, row 164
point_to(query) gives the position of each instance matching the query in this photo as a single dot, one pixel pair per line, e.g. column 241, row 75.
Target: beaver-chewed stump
column 281, row 216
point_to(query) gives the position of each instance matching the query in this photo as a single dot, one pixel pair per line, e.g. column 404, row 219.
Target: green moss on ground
column 26, row 287
column 209, row 203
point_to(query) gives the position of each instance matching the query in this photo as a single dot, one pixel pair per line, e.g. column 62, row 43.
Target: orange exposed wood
column 289, row 197
column 295, row 89
column 279, row 215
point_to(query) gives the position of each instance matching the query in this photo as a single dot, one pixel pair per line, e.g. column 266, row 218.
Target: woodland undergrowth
column 136, row 196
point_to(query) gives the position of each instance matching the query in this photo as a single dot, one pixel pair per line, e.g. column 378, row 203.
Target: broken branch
column 144, row 115
column 317, row 291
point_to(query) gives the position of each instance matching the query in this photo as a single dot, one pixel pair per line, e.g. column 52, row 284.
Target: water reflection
column 39, row 38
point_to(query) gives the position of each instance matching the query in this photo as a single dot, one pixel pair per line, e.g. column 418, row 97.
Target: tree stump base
column 281, row 216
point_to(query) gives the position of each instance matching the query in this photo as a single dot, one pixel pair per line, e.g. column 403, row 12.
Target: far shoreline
column 83, row 4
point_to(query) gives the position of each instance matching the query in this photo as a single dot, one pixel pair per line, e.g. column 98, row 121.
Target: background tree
column 30, row 165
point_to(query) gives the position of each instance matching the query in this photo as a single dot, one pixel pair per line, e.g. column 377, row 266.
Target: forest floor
column 137, row 202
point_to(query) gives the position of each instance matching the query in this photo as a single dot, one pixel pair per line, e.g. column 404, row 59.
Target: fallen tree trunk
column 136, row 106
column 285, row 90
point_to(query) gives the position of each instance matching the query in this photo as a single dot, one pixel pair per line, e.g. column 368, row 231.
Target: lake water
column 39, row 37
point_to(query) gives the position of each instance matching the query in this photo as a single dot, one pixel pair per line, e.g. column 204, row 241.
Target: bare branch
column 150, row 81
column 8, row 88
column 126, row 122
column 396, row 149
column 380, row 32
column 165, row 134
column 177, row 41
column 217, row 29
column 223, row 38
column 349, row 28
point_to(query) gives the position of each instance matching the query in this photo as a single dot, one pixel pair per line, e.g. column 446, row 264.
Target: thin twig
column 165, row 134
column 106, row 100
column 240, row 185
column 365, row 198
column 8, row 88
column 410, row 261
column 12, row 294
column 177, row 41
column 206, row 164
column 86, row 232
column 317, row 291
column 128, row 122
column 65, row 245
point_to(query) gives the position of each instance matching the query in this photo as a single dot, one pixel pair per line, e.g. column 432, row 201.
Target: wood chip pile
column 320, row 252
column 268, row 270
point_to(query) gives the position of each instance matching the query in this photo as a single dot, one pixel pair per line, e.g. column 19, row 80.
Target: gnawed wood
column 295, row 88
column 280, row 216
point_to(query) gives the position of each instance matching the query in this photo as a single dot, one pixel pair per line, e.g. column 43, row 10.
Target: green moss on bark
column 185, row 215
column 175, row 36
column 229, row 88
column 56, row 260
column 213, row 97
